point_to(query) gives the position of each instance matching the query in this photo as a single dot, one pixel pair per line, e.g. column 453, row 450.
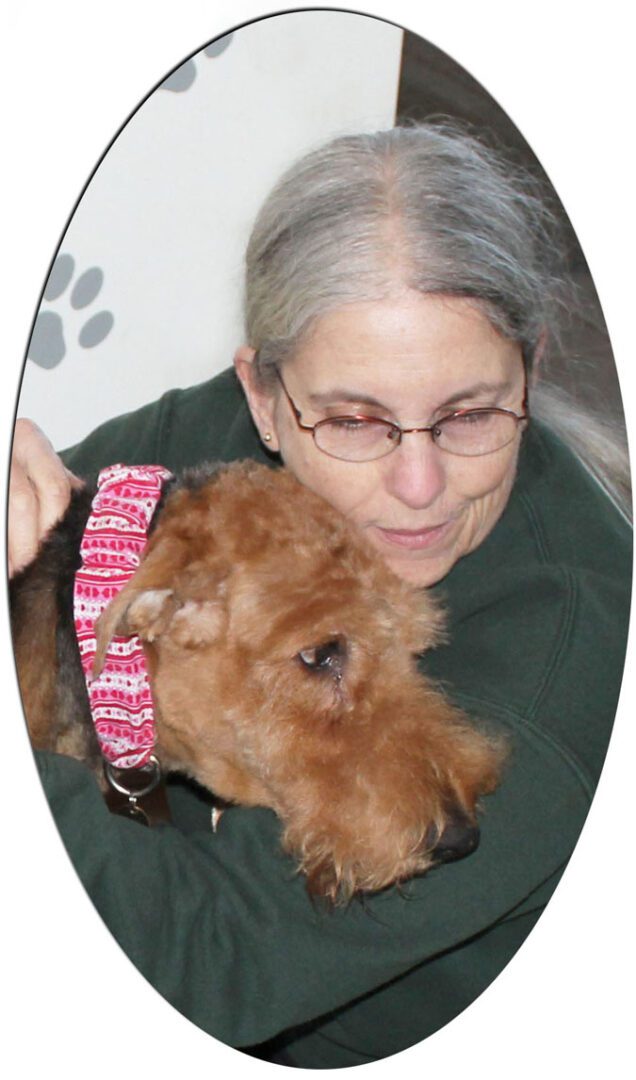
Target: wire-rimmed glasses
column 471, row 432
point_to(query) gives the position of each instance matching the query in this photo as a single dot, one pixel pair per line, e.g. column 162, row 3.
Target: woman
column 401, row 296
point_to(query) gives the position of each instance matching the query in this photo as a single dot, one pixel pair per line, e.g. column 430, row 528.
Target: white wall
column 155, row 244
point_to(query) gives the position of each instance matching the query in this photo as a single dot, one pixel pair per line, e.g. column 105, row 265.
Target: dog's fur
column 281, row 654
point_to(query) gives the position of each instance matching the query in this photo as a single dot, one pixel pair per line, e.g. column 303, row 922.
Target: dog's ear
column 154, row 613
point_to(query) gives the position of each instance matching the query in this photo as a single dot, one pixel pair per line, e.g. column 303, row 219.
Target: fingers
column 39, row 492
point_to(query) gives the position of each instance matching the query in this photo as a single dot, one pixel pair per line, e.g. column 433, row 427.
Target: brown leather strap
column 151, row 809
column 139, row 800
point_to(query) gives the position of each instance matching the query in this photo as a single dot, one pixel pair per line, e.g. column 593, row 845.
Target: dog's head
column 281, row 653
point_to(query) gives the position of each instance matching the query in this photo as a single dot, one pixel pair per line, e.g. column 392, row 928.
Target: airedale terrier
column 282, row 659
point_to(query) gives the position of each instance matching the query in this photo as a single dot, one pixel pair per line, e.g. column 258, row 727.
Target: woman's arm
column 222, row 926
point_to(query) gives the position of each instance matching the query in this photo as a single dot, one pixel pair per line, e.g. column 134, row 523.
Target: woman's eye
column 349, row 423
column 473, row 418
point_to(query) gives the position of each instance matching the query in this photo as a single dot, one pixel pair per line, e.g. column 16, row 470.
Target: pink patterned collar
column 115, row 537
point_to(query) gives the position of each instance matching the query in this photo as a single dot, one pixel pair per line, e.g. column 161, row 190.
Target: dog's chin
column 337, row 885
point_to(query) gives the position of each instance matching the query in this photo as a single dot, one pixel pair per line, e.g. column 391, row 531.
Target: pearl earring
column 267, row 436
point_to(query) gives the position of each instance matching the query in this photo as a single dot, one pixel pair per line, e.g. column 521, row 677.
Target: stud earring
column 267, row 437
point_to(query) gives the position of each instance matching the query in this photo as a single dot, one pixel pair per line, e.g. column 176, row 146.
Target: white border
column 563, row 74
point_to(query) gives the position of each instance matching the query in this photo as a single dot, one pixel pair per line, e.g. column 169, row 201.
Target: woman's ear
column 261, row 402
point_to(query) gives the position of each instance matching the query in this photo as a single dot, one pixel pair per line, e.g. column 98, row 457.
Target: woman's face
column 411, row 360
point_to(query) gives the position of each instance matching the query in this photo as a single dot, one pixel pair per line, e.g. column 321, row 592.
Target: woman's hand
column 39, row 492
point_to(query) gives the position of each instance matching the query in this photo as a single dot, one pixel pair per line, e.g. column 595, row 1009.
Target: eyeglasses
column 466, row 432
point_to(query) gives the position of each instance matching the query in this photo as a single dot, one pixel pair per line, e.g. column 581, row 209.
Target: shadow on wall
column 432, row 83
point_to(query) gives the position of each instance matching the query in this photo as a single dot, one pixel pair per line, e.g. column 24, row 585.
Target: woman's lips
column 415, row 539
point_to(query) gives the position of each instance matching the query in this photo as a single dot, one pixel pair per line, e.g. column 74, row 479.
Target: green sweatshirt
column 220, row 924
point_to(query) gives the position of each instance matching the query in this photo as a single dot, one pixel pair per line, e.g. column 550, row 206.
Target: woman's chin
column 423, row 574
column 421, row 569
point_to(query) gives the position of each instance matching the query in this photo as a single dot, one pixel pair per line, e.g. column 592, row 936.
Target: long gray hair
column 432, row 208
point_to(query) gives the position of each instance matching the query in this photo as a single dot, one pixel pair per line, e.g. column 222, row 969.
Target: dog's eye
column 328, row 657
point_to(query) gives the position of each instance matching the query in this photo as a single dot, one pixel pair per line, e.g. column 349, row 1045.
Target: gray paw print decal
column 184, row 76
column 47, row 347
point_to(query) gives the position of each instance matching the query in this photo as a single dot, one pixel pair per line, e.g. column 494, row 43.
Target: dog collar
column 114, row 539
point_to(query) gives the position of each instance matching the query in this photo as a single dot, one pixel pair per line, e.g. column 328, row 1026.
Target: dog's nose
column 459, row 838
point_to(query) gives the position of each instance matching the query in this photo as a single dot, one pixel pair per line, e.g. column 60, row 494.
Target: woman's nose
column 416, row 470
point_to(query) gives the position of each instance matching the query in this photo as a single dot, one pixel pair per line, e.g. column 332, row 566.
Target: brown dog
column 281, row 653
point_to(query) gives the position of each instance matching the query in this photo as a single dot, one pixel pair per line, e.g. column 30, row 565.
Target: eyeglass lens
column 469, row 434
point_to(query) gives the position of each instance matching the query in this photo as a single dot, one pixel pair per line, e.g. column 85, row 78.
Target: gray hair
column 432, row 208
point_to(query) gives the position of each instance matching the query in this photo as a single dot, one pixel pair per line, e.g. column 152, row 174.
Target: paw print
column 182, row 77
column 47, row 347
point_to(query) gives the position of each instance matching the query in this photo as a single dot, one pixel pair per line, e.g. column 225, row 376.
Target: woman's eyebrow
column 342, row 394
column 338, row 394
column 477, row 390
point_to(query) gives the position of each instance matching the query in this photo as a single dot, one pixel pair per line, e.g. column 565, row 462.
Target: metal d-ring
column 134, row 794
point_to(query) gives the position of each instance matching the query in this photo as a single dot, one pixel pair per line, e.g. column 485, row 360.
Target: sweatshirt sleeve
column 222, row 926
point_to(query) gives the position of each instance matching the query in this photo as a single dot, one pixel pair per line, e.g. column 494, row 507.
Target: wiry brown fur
column 365, row 763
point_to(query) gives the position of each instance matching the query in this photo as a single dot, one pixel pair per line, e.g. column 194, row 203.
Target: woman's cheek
column 486, row 476
column 486, row 499
column 348, row 488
